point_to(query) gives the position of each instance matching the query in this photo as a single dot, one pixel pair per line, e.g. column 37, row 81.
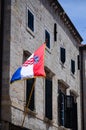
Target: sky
column 76, row 11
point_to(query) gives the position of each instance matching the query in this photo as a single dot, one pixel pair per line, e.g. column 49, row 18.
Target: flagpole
column 28, row 101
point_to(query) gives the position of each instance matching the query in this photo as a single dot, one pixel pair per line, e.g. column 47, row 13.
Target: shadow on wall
column 5, row 22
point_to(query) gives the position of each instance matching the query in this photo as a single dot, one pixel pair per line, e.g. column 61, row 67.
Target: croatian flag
column 32, row 67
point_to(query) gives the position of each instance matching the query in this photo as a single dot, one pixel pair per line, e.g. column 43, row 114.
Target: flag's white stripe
column 27, row 71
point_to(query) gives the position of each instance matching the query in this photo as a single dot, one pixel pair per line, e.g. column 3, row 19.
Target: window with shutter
column 75, row 124
column 47, row 38
column 62, row 55
column 48, row 98
column 73, row 66
column 28, row 91
column 29, row 84
column 30, row 20
column 61, row 108
column 78, row 62
column 55, row 32
column 69, row 111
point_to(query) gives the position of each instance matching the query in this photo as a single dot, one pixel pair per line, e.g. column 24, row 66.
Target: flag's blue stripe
column 16, row 75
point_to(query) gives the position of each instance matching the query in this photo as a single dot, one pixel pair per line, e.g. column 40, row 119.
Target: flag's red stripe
column 39, row 66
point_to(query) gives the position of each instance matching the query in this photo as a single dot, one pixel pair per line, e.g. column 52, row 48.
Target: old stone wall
column 22, row 39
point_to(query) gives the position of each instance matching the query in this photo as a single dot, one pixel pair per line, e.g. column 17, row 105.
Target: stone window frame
column 70, row 107
column 49, row 75
column 51, row 40
column 73, row 67
column 62, row 55
column 32, row 33
column 62, row 87
column 47, row 34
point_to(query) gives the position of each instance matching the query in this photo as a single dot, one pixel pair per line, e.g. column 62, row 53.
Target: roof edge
column 56, row 5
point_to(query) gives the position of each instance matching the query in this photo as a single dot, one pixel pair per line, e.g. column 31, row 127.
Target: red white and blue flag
column 32, row 67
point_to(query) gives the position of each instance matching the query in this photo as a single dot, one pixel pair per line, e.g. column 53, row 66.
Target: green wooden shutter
column 61, row 108
column 69, row 111
column 75, row 126
column 48, row 99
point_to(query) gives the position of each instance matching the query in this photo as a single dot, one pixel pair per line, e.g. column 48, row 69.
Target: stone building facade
column 56, row 100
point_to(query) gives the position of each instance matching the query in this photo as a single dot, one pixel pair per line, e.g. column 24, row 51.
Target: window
column 67, row 111
column 71, row 113
column 30, row 20
column 74, row 117
column 47, row 38
column 78, row 61
column 48, row 98
column 73, row 66
column 55, row 32
column 29, row 84
column 62, row 55
column 74, row 120
column 28, row 92
column 61, row 108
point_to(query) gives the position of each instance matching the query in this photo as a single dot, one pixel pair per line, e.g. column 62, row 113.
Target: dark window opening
column 62, row 55
column 48, row 98
column 55, row 32
column 61, row 108
column 47, row 38
column 78, row 62
column 73, row 66
column 30, row 20
column 28, row 92
column 67, row 111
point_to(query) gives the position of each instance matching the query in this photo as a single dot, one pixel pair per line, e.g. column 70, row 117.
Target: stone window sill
column 30, row 31
column 63, row 128
column 32, row 113
column 46, row 120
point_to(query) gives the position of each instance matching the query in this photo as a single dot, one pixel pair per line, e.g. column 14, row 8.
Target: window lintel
column 49, row 73
column 73, row 92
column 60, row 81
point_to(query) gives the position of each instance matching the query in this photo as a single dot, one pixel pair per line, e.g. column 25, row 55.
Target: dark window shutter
column 55, row 32
column 28, row 91
column 62, row 55
column 48, row 99
column 78, row 62
column 30, row 20
column 69, row 111
column 73, row 66
column 75, row 125
column 47, row 38
column 69, row 101
column 61, row 108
